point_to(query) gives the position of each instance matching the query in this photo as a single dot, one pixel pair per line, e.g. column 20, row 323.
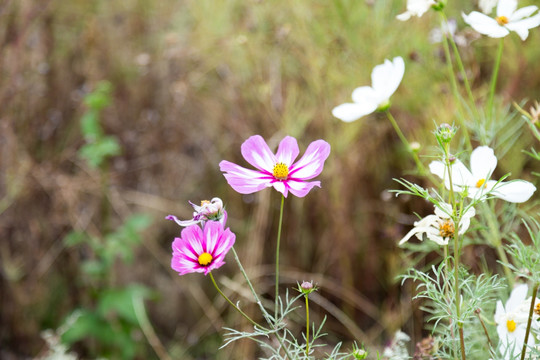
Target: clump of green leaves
column 113, row 319
column 99, row 146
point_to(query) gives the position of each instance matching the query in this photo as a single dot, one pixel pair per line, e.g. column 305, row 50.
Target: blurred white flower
column 415, row 8
column 487, row 5
column 440, row 228
column 447, row 29
column 397, row 350
column 476, row 181
column 511, row 322
column 385, row 79
column 508, row 18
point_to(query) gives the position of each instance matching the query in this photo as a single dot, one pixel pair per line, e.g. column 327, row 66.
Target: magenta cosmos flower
column 279, row 170
column 201, row 250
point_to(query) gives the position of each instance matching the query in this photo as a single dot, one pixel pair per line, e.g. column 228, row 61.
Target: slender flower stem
column 277, row 259
column 477, row 312
column 230, row 302
column 460, row 65
column 494, row 78
column 419, row 165
column 453, row 80
column 529, row 321
column 307, row 325
column 256, row 297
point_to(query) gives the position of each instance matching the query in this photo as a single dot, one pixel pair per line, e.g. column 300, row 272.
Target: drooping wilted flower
column 476, row 181
column 440, row 227
column 416, row 8
column 508, row 18
column 279, row 170
column 201, row 250
column 212, row 210
column 385, row 79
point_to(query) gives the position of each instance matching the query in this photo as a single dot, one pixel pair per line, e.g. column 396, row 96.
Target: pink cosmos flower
column 201, row 250
column 279, row 170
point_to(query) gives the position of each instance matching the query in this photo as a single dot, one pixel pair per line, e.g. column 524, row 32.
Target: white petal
column 414, row 231
column 521, row 27
column 443, row 210
column 506, row 7
column 404, row 16
column 485, row 25
column 516, row 191
column 461, row 176
column 438, row 239
column 365, row 95
column 483, row 162
column 350, row 112
column 385, row 78
column 523, row 13
column 517, row 296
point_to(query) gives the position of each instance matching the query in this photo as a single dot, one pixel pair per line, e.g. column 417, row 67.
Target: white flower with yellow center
column 440, row 227
column 415, row 8
column 511, row 322
column 509, row 18
column 477, row 180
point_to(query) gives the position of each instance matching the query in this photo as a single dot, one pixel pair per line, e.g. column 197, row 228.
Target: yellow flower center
column 511, row 325
column 502, row 20
column 205, row 259
column 204, row 202
column 281, row 171
column 481, row 183
column 446, row 229
column 537, row 309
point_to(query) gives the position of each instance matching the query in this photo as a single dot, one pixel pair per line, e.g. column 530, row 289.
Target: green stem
column 529, row 321
column 494, row 78
column 307, row 325
column 256, row 297
column 232, row 304
column 453, row 80
column 460, row 66
column 277, row 259
column 405, row 142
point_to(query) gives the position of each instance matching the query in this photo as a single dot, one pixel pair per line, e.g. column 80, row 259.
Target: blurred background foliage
column 115, row 113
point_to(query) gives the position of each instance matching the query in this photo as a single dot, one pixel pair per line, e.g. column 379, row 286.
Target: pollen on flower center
column 511, row 325
column 446, row 229
column 502, row 20
column 281, row 171
column 480, row 183
column 205, row 259
column 537, row 309
column 205, row 202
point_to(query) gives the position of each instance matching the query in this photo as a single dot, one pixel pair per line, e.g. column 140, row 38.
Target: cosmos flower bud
column 445, row 133
column 307, row 287
column 360, row 354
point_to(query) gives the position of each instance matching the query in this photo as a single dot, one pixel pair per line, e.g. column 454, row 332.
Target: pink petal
column 281, row 187
column 287, row 151
column 312, row 163
column 244, row 181
column 301, row 188
column 257, row 153
column 224, row 244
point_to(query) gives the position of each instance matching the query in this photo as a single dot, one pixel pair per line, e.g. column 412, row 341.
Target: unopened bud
column 360, row 354
column 307, row 287
column 415, row 146
column 445, row 133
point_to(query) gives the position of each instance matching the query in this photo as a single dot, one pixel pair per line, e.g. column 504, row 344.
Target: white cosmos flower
column 385, row 79
column 415, row 8
column 508, row 18
column 440, row 227
column 476, row 181
column 511, row 322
